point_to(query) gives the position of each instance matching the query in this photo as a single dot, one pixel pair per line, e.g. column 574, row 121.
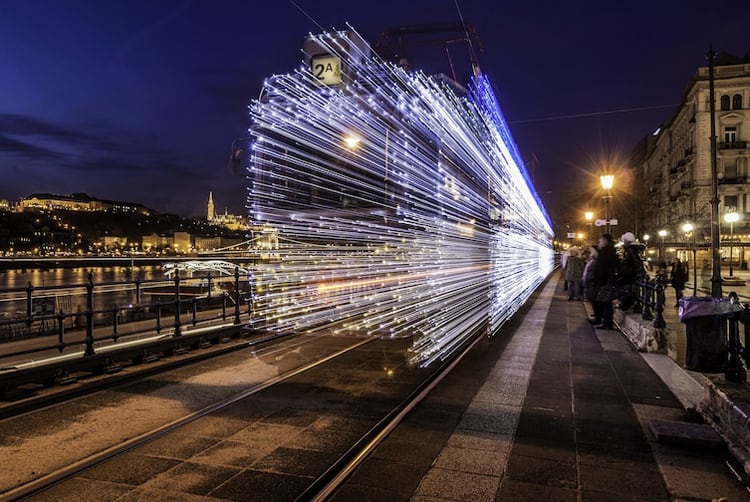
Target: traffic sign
column 601, row 223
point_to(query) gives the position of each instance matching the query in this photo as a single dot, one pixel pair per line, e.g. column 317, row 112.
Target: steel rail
column 328, row 482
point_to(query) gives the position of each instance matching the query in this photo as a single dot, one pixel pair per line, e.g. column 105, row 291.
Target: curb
column 703, row 395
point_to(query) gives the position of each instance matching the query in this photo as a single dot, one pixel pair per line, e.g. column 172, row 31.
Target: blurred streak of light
column 427, row 226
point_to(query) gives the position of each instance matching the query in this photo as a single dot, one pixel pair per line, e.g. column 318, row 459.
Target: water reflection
column 77, row 276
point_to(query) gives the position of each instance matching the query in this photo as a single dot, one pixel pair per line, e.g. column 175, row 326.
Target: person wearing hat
column 630, row 270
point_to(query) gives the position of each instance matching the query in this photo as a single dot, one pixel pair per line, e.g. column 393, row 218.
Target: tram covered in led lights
column 402, row 207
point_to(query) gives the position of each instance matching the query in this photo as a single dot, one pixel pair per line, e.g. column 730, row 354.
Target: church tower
column 211, row 213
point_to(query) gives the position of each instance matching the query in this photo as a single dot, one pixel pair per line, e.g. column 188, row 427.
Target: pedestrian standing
column 630, row 270
column 589, row 290
column 563, row 263
column 574, row 274
column 679, row 277
column 604, row 280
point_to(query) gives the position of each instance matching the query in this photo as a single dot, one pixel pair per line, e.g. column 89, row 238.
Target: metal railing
column 649, row 301
column 40, row 318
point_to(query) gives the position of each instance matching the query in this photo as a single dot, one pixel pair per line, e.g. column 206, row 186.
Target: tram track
column 298, row 404
column 39, row 485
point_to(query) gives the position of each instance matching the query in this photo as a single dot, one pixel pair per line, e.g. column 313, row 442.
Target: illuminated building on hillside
column 79, row 202
column 226, row 220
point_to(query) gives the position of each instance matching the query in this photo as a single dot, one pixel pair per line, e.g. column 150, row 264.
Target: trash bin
column 706, row 331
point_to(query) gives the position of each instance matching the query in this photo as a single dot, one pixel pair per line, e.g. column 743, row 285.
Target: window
column 730, row 134
column 730, row 169
column 725, row 102
column 737, row 102
column 730, row 201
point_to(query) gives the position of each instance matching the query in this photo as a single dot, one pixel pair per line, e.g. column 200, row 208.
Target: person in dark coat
column 630, row 269
column 679, row 277
column 604, row 277
column 589, row 290
column 574, row 274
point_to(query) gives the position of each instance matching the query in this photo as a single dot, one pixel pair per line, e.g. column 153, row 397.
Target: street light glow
column 352, row 141
column 607, row 181
column 687, row 228
column 731, row 217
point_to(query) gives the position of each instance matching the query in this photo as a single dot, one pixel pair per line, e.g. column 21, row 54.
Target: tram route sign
column 602, row 223
column 326, row 68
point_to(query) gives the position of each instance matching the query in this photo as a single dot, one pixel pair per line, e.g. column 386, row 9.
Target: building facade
column 673, row 167
column 79, row 202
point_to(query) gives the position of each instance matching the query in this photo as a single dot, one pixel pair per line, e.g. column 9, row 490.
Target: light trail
column 425, row 225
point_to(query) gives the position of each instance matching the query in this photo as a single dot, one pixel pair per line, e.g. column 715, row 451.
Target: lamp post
column 662, row 233
column 607, row 181
column 689, row 229
column 715, row 259
column 731, row 217
column 646, row 238
column 589, row 216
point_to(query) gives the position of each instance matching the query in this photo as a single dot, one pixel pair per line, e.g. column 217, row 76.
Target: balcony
column 734, row 180
column 732, row 145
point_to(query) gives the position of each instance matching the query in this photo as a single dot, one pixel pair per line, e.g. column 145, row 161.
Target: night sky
column 140, row 101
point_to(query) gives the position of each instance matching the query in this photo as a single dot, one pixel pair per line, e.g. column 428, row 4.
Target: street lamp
column 689, row 229
column 589, row 216
column 607, row 181
column 731, row 217
column 662, row 233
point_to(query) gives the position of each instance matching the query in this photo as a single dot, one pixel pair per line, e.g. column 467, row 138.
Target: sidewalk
column 723, row 404
column 551, row 409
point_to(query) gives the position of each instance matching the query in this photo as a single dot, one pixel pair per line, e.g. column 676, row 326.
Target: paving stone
column 445, row 484
column 686, row 434
column 189, row 477
column 397, row 476
column 644, row 484
column 512, row 490
column 409, row 452
column 231, row 453
column 130, row 468
column 177, row 445
column 473, row 461
column 543, row 471
column 81, row 490
column 353, row 492
column 296, row 461
column 258, row 485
